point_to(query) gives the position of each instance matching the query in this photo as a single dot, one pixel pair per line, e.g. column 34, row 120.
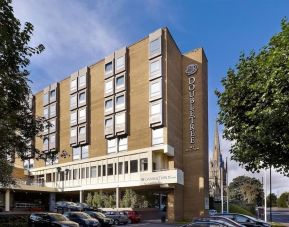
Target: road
column 280, row 215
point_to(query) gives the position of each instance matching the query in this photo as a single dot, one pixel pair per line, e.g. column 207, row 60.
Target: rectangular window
column 82, row 81
column 82, row 130
column 45, row 98
column 155, row 68
column 52, row 140
column 108, row 87
column 109, row 169
column 52, row 110
column 87, row 172
column 122, row 144
column 120, row 102
column 73, row 101
column 53, row 94
column 111, row 146
column 99, row 171
column 73, row 118
column 119, row 63
column 108, row 105
column 120, row 119
column 156, row 108
column 155, row 46
column 120, row 167
column 108, row 67
column 73, row 132
column 48, row 177
column 84, row 152
column 143, row 164
column 82, row 173
column 61, row 176
column 74, row 174
column 133, row 166
column 157, row 136
column 93, row 171
column 52, row 128
column 156, row 89
column 82, row 98
column 73, row 84
column 82, row 115
column 120, row 82
column 45, row 112
column 108, row 122
column 126, row 167
column 76, row 153
column 45, row 140
column 103, row 170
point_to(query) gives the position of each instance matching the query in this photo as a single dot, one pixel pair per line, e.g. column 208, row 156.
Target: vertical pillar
column 81, row 196
column 51, row 201
column 117, row 197
column 7, row 200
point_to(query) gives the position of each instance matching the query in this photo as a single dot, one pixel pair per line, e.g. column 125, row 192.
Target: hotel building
column 136, row 119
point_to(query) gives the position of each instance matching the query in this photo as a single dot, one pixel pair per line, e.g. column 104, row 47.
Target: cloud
column 280, row 183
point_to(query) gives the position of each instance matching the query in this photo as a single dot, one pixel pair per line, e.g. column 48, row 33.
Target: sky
column 79, row 33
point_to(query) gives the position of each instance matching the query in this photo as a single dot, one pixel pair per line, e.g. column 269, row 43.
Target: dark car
column 82, row 219
column 103, row 220
column 208, row 223
column 220, row 218
column 84, row 207
column 50, row 219
column 118, row 217
column 246, row 220
column 63, row 206
column 133, row 216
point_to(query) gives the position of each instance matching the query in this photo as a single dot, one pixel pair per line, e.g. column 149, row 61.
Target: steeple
column 217, row 152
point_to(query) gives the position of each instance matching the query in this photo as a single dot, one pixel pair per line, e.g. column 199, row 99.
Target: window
column 82, row 115
column 52, row 140
column 82, row 173
column 133, row 166
column 155, row 46
column 157, row 136
column 108, row 122
column 45, row 112
column 73, row 101
column 120, row 119
column 76, row 153
column 122, row 144
column 156, row 89
column 48, row 177
column 111, row 146
column 73, row 132
column 82, row 98
column 143, row 164
column 109, row 169
column 74, row 174
column 82, row 130
column 119, row 82
column 52, row 110
column 45, row 129
column 108, row 106
column 73, row 84
column 120, row 167
column 103, row 170
column 45, row 98
column 108, row 87
column 93, row 171
column 45, row 141
column 61, row 176
column 87, row 172
column 53, row 94
column 84, row 152
column 155, row 68
column 120, row 102
column 51, row 161
column 99, row 171
column 53, row 125
column 28, row 163
column 73, row 118
column 82, row 81
column 120, row 63
column 126, row 167
column 108, row 67
column 156, row 108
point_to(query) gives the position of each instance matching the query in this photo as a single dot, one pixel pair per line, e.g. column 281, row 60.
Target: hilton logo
column 191, row 69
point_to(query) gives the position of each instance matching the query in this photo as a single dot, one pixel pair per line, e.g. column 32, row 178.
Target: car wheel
column 116, row 222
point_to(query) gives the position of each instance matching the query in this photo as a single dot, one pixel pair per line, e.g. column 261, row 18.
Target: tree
column 254, row 106
column 274, row 200
column 129, row 199
column 246, row 190
column 18, row 125
column 283, row 200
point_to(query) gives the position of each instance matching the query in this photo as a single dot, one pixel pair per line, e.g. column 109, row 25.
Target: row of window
column 49, row 111
column 78, row 80
column 49, row 94
column 115, row 84
column 78, row 116
column 126, row 167
column 115, row 124
column 52, row 128
column 78, row 99
column 115, row 63
column 115, row 103
column 78, row 135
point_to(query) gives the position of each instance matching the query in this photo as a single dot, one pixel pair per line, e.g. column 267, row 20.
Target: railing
column 31, row 182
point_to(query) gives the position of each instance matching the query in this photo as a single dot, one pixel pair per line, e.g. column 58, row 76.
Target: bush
column 12, row 220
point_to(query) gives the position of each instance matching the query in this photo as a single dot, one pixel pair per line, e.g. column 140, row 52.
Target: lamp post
column 270, row 194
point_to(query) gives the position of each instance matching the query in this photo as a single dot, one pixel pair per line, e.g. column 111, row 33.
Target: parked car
column 103, row 220
column 133, row 216
column 208, row 223
column 82, row 219
column 246, row 220
column 118, row 217
column 50, row 219
column 84, row 207
column 212, row 212
column 63, row 206
column 220, row 218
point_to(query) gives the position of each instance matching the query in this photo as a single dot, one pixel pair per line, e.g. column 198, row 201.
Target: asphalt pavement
column 280, row 215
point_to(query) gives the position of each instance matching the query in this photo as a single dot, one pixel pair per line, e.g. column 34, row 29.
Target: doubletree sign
column 191, row 71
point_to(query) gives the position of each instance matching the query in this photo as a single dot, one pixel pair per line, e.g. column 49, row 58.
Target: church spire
column 217, row 152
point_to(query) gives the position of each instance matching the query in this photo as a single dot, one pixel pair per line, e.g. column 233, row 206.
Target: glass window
column 82, row 80
column 28, row 163
column 103, row 170
column 133, row 166
column 108, row 86
column 120, row 167
column 126, row 167
column 52, row 109
column 84, row 153
column 120, row 118
column 73, row 101
column 45, row 141
column 73, row 118
column 108, row 67
column 93, row 171
column 82, row 114
column 120, row 101
column 73, row 132
column 111, row 146
column 155, row 46
column 122, row 144
column 108, row 105
column 143, row 164
column 119, row 82
column 53, row 125
column 48, row 177
column 73, row 84
column 87, row 172
column 82, row 130
column 52, row 139
column 76, row 153
column 82, row 173
column 120, row 62
column 45, row 112
column 74, row 174
column 109, row 169
column 52, row 94
column 108, row 122
column 82, row 97
column 157, row 136
column 45, row 98
column 156, row 108
column 99, row 171
column 155, row 88
column 155, row 68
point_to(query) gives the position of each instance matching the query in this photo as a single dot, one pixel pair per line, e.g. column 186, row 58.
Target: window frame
column 158, row 73
column 157, row 51
column 110, row 92
column 155, row 139
column 159, row 93
column 123, row 105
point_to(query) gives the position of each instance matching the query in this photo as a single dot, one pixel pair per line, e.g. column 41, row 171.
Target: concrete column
column 117, row 197
column 7, row 200
column 81, row 196
column 52, row 201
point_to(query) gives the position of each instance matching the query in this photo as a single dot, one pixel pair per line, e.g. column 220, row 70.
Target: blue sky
column 79, row 33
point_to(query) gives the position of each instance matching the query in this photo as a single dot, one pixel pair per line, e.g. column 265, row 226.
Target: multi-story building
column 135, row 119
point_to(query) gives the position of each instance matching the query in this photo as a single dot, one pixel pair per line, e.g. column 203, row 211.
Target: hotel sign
column 191, row 71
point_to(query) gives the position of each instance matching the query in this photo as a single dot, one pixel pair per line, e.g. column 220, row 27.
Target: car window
column 241, row 219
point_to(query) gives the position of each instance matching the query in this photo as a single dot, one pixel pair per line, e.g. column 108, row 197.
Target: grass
column 234, row 208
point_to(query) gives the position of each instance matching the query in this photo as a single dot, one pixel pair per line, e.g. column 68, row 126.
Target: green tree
column 129, row 199
column 283, row 200
column 246, row 190
column 89, row 199
column 254, row 106
column 18, row 125
column 274, row 200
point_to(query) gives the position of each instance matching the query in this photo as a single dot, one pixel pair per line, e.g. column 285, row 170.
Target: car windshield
column 57, row 217
column 71, row 203
column 100, row 214
column 82, row 215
